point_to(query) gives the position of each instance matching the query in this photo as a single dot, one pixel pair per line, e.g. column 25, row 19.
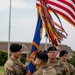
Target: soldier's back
column 45, row 71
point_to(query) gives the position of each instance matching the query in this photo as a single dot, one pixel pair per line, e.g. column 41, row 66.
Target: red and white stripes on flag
column 65, row 8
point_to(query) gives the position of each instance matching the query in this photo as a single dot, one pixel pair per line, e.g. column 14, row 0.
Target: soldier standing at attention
column 63, row 57
column 13, row 66
column 43, row 68
column 61, row 68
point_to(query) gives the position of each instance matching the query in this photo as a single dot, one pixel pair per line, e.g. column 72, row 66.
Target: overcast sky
column 23, row 22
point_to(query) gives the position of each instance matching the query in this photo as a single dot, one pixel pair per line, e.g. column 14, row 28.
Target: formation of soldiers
column 45, row 62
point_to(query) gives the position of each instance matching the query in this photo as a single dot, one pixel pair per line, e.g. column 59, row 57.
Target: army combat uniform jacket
column 12, row 67
column 60, row 67
column 71, row 68
column 45, row 71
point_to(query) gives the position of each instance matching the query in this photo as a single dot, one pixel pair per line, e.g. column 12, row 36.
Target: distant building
column 27, row 47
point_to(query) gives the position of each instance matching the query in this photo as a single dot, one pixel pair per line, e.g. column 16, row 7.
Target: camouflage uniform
column 45, row 71
column 14, row 67
column 71, row 68
column 61, row 68
column 74, row 70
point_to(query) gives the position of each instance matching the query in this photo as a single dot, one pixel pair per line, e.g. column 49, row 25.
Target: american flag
column 65, row 8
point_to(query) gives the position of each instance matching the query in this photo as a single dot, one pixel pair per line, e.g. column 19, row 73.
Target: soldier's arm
column 38, row 72
column 23, row 67
column 67, row 72
column 65, row 69
column 9, row 71
column 72, row 70
column 35, row 74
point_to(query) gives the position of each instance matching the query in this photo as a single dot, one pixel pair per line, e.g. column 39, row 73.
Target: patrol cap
column 62, row 53
column 15, row 47
column 42, row 55
column 52, row 48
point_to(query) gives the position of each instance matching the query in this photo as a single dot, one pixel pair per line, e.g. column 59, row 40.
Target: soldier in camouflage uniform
column 61, row 68
column 63, row 57
column 43, row 68
column 13, row 66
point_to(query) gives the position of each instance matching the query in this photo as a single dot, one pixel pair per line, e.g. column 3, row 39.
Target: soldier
column 63, row 57
column 13, row 66
column 61, row 68
column 43, row 68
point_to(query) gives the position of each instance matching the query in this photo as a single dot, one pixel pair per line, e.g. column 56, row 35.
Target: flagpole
column 9, row 28
column 45, row 42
